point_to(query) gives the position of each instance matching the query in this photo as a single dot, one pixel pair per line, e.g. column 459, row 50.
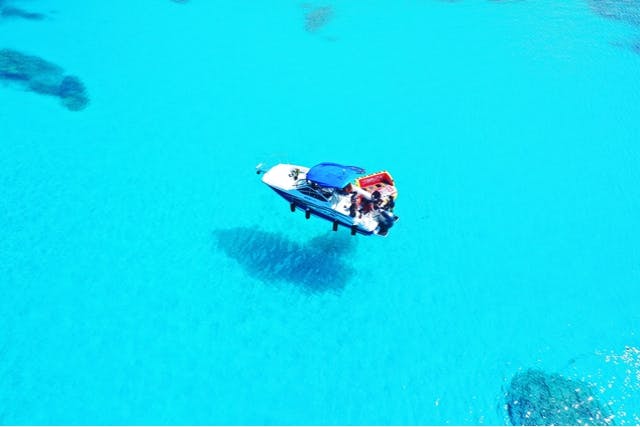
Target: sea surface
column 147, row 276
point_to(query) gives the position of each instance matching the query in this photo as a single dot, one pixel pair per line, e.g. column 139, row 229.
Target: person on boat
column 352, row 209
column 390, row 204
column 376, row 199
column 347, row 189
column 366, row 206
column 354, row 205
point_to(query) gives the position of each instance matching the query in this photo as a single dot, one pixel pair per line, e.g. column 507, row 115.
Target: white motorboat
column 344, row 195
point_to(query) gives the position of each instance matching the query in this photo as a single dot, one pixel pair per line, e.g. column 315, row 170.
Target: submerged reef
column 537, row 398
column 8, row 11
column 316, row 266
column 316, row 17
column 40, row 76
column 626, row 11
column 72, row 93
column 621, row 10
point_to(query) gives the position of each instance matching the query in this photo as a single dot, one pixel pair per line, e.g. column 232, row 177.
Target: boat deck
column 367, row 220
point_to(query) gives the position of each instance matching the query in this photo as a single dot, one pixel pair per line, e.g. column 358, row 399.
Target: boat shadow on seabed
column 316, row 266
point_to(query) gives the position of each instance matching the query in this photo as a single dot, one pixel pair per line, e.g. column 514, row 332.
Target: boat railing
column 301, row 182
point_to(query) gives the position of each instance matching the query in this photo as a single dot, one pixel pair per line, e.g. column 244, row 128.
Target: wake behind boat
column 341, row 194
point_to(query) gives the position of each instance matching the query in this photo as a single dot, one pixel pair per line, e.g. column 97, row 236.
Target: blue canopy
column 333, row 174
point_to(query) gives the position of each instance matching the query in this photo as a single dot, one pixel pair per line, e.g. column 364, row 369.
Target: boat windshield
column 311, row 189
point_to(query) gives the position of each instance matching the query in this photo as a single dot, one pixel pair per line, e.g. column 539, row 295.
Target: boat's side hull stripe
column 300, row 204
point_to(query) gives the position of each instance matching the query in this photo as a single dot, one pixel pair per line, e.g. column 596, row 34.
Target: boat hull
column 327, row 213
column 342, row 206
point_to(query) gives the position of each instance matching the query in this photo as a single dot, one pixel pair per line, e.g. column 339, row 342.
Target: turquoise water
column 147, row 276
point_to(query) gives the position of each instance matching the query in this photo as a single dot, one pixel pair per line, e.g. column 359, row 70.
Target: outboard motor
column 387, row 218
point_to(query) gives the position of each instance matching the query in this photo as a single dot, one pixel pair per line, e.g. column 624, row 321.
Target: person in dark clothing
column 352, row 209
column 376, row 199
column 354, row 205
column 390, row 204
column 366, row 206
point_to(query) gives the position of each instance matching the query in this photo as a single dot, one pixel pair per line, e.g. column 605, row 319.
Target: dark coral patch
column 40, row 76
column 626, row 11
column 621, row 10
column 317, row 17
column 538, row 398
column 7, row 11
column 316, row 266
column 18, row 66
column 73, row 94
column 16, row 12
